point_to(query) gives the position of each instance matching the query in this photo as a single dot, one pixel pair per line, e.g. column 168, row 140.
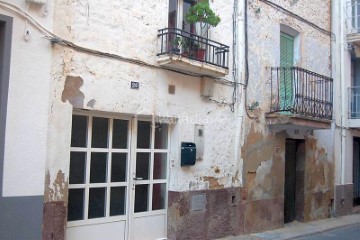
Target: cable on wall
column 278, row 7
column 55, row 39
column 234, row 63
column 247, row 59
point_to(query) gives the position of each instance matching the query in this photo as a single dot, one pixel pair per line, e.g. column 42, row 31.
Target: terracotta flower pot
column 200, row 54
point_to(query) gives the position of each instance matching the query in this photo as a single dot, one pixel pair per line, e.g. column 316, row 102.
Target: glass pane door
column 150, row 180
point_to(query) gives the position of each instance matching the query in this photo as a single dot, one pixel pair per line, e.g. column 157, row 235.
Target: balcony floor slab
column 280, row 122
column 354, row 123
column 184, row 64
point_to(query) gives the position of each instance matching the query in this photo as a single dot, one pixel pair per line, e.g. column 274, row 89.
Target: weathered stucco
column 223, row 214
column 263, row 167
column 319, row 181
column 129, row 29
column 264, row 42
column 263, row 149
column 250, row 179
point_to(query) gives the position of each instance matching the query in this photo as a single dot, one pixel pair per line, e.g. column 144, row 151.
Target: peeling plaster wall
column 264, row 42
column 90, row 82
column 263, row 169
column 319, row 179
column 263, row 150
column 83, row 81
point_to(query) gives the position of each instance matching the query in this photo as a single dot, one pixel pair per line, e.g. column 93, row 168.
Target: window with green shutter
column 286, row 78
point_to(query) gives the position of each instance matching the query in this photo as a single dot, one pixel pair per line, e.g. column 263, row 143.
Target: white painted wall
column 129, row 28
column 28, row 103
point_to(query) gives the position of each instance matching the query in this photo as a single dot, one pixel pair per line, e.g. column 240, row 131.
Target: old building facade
column 102, row 105
column 345, row 27
column 288, row 148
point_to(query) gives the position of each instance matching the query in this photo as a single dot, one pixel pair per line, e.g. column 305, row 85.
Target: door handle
column 138, row 178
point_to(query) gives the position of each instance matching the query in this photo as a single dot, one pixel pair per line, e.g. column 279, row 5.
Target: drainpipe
column 342, row 91
column 335, row 74
column 238, row 74
column 339, row 74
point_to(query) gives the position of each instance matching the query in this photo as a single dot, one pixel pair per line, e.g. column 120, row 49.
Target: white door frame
column 131, row 150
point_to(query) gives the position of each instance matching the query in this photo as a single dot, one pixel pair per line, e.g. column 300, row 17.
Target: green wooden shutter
column 286, row 79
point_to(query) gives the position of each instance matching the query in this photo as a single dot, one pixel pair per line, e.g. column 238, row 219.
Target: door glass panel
column 98, row 167
column 172, row 14
column 188, row 27
column 143, row 136
column 77, row 167
column 76, row 204
column 96, row 202
column 159, row 171
column 120, row 134
column 118, row 167
column 100, row 132
column 161, row 136
column 79, row 131
column 141, row 198
column 117, row 201
column 158, row 199
column 142, row 165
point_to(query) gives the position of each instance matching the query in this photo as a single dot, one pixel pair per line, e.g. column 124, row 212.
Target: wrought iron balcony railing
column 354, row 102
column 299, row 91
column 178, row 42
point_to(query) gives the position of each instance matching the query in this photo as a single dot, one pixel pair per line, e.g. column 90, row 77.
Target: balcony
column 354, row 107
column 353, row 21
column 300, row 99
column 187, row 52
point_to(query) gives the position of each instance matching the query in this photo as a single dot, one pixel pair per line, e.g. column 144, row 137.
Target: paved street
column 344, row 233
column 344, row 228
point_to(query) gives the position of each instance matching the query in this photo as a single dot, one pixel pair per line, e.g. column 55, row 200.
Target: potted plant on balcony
column 176, row 44
column 202, row 14
column 187, row 46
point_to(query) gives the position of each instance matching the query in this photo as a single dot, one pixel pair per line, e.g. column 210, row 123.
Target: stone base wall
column 220, row 213
column 54, row 222
column 265, row 214
column 343, row 202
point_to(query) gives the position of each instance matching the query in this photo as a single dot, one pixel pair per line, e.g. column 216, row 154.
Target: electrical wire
column 278, row 7
column 55, row 39
column 247, row 61
column 234, row 63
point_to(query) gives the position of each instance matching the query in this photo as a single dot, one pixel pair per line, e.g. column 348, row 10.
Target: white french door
column 118, row 178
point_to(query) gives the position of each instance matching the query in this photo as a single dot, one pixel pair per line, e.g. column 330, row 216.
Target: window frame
column 88, row 149
column 131, row 150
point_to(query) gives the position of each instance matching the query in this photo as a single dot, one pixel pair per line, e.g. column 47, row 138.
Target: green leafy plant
column 177, row 43
column 188, row 45
column 203, row 14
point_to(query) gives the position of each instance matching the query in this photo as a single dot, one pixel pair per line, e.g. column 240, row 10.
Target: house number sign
column 134, row 85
